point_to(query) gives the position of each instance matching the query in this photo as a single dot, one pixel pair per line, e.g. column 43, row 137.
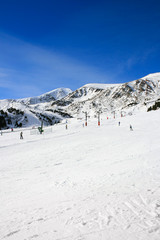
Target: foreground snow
column 91, row 183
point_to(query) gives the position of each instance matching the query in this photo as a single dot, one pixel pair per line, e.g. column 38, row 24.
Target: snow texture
column 100, row 85
column 83, row 183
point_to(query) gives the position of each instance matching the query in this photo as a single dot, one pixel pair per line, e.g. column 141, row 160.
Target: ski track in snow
column 91, row 183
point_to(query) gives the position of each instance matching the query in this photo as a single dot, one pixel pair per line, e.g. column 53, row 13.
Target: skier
column 119, row 123
column 66, row 125
column 21, row 135
column 131, row 129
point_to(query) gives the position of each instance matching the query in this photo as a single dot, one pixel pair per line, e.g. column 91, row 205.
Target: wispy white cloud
column 27, row 68
column 7, row 81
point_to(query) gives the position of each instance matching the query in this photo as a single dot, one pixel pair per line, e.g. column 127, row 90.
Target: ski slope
column 83, row 183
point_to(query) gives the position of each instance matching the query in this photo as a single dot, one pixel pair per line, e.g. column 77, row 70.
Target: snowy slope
column 32, row 110
column 152, row 76
column 100, row 85
column 127, row 97
column 91, row 183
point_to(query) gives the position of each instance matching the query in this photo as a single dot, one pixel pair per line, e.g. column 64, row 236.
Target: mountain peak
column 152, row 77
column 53, row 95
column 58, row 93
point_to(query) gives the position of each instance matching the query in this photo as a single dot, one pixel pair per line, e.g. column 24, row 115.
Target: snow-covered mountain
column 31, row 111
column 47, row 97
column 108, row 98
column 142, row 94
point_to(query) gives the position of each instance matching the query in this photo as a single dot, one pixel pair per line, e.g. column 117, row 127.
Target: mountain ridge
column 58, row 104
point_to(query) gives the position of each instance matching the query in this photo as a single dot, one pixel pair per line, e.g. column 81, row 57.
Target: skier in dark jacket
column 131, row 129
column 21, row 135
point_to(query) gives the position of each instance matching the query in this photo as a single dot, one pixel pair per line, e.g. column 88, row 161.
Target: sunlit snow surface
column 83, row 183
column 101, row 86
column 152, row 76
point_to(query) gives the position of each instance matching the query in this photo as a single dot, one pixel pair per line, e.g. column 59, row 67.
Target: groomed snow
column 83, row 183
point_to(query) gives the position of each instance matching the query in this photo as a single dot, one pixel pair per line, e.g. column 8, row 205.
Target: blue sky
column 68, row 43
